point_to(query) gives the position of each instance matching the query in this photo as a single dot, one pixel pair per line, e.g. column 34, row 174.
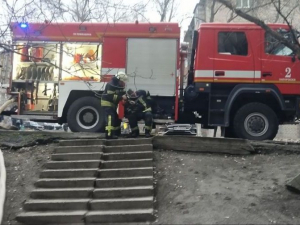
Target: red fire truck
column 240, row 77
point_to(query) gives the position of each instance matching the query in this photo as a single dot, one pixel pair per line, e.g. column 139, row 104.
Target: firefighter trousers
column 133, row 119
column 112, row 122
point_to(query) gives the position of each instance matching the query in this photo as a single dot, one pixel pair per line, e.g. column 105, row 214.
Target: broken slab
column 203, row 144
column 20, row 139
column 294, row 184
column 275, row 146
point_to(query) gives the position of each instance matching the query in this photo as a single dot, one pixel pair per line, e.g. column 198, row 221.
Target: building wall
column 212, row 11
column 5, row 71
column 260, row 9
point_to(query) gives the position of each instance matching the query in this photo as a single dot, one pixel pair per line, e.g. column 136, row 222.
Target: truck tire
column 255, row 121
column 86, row 115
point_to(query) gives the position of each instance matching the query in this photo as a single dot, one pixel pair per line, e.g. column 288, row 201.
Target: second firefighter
column 140, row 109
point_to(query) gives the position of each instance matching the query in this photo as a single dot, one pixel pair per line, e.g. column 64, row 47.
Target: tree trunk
column 202, row 11
column 212, row 12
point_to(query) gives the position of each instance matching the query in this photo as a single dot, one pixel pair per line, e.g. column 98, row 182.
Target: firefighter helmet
column 122, row 76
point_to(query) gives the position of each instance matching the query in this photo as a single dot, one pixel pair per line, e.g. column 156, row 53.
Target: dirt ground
column 217, row 189
column 191, row 188
column 22, row 169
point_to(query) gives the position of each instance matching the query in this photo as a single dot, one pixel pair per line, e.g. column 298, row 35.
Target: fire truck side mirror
column 294, row 58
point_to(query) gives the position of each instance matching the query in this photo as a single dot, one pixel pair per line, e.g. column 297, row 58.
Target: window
column 232, row 43
column 81, row 62
column 275, row 47
column 243, row 4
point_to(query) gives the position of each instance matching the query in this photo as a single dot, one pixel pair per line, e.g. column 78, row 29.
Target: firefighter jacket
column 143, row 101
column 112, row 94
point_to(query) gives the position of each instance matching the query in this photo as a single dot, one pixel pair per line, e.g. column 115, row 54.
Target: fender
column 251, row 88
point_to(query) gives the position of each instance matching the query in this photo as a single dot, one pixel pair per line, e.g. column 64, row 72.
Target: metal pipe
column 2, row 185
column 6, row 104
column 183, row 56
column 194, row 47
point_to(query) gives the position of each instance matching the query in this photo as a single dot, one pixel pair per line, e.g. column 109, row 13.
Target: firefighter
column 140, row 109
column 112, row 95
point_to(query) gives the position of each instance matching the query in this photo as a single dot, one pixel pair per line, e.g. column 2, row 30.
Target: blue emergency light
column 23, row 25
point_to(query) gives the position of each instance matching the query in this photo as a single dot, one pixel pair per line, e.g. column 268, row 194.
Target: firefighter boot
column 117, row 129
column 117, row 132
column 134, row 133
column 147, row 133
column 111, row 135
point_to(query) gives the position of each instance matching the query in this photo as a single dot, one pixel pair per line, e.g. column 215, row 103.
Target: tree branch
column 276, row 35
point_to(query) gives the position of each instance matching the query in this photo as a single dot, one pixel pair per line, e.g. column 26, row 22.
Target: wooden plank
column 203, row 144
column 275, row 146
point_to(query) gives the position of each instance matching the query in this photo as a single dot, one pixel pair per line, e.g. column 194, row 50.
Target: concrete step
column 82, row 142
column 133, row 141
column 56, row 205
column 124, row 182
column 69, row 173
column 128, row 155
column 79, row 149
column 128, row 148
column 73, row 164
column 66, row 183
column 53, row 217
column 122, row 203
column 123, row 192
column 62, row 193
column 127, row 163
column 76, row 156
column 123, row 216
column 126, row 172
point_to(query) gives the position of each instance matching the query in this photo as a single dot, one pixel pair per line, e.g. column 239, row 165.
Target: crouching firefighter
column 139, row 109
column 112, row 95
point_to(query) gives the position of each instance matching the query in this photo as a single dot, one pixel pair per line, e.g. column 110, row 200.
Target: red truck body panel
column 255, row 67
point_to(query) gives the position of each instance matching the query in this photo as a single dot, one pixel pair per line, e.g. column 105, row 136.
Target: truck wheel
column 256, row 121
column 86, row 115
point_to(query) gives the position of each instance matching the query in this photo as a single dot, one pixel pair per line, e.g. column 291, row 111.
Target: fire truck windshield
column 275, row 47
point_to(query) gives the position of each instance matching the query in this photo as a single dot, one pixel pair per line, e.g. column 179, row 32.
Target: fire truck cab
column 242, row 79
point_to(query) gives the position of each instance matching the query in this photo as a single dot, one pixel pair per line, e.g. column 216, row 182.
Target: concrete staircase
column 94, row 181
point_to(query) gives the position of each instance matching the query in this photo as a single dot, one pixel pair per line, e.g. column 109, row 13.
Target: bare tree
column 294, row 45
column 214, row 9
column 166, row 9
column 97, row 10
